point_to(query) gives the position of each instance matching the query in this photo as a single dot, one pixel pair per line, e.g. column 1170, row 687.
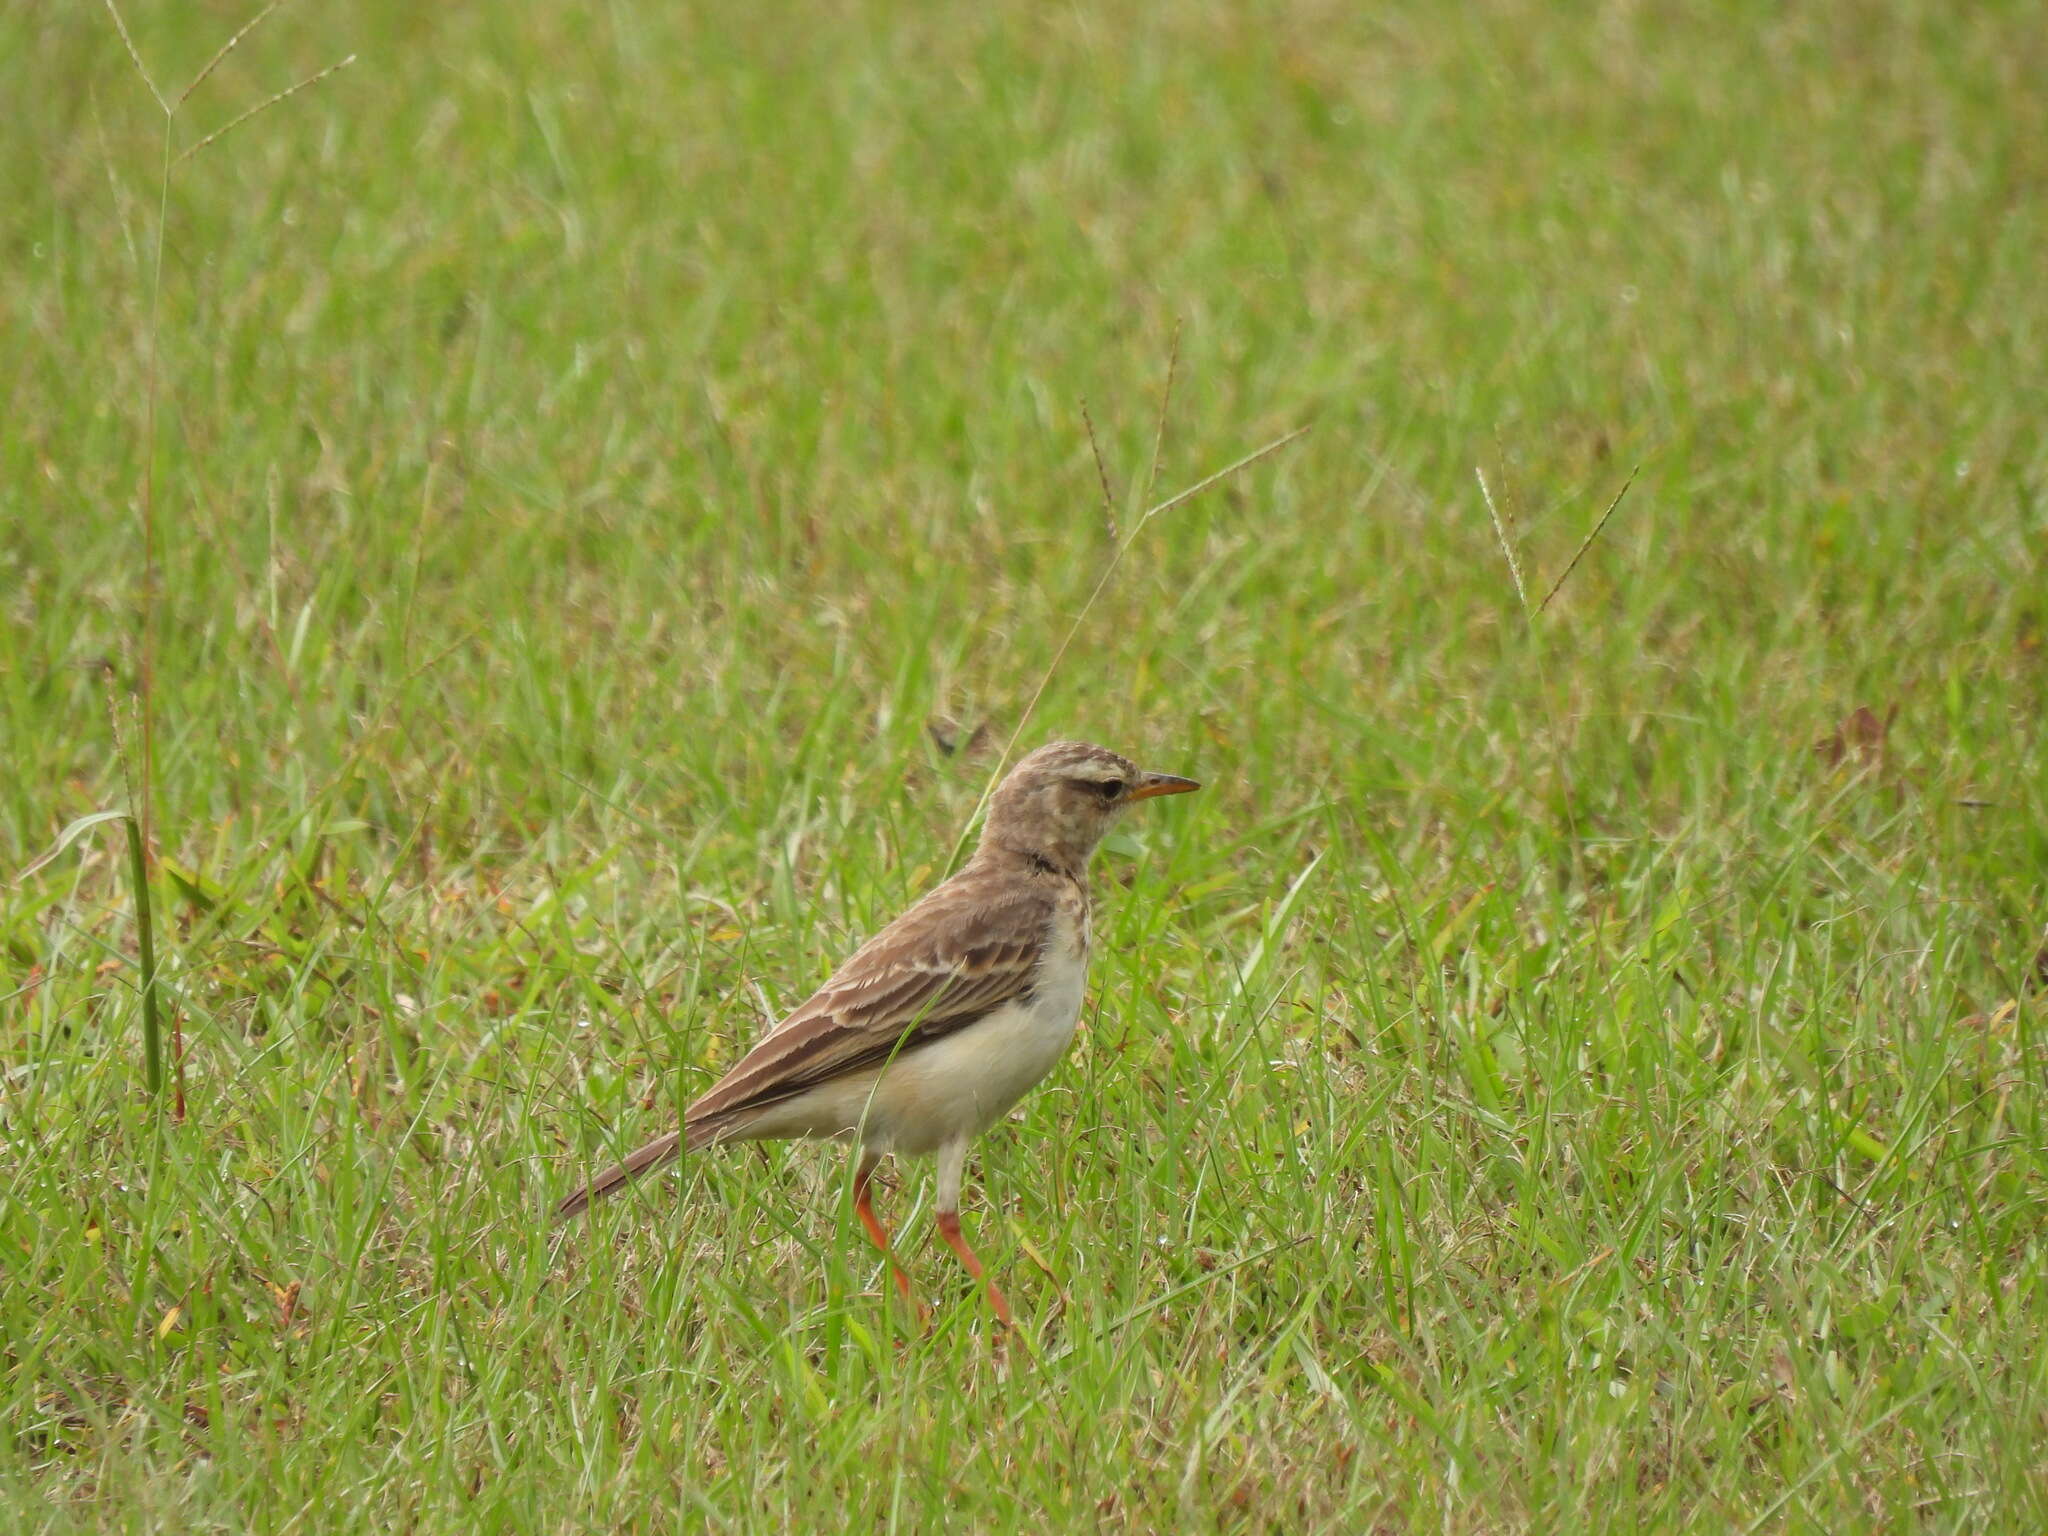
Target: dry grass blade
column 1221, row 475
column 227, row 48
column 1165, row 401
column 264, row 106
column 1101, row 473
column 1507, row 545
column 71, row 833
column 135, row 58
column 1565, row 575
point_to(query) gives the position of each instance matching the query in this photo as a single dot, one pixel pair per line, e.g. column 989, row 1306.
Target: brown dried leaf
column 1860, row 737
column 1783, row 1375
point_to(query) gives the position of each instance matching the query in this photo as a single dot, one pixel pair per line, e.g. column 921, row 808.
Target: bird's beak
column 1163, row 784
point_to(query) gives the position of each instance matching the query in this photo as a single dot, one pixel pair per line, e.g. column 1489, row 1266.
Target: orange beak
column 1163, row 784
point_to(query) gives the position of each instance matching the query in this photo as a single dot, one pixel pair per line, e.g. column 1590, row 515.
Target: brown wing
column 960, row 953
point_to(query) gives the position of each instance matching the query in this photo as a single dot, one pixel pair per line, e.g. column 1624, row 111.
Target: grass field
column 1568, row 1070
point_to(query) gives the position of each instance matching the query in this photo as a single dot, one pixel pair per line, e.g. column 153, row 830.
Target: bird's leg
column 952, row 1164
column 864, row 1208
column 949, row 1229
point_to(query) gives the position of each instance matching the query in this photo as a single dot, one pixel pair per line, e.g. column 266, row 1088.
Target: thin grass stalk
column 1504, row 531
column 1560, row 765
column 145, row 937
column 142, row 798
column 142, row 824
column 1109, row 570
column 1587, row 543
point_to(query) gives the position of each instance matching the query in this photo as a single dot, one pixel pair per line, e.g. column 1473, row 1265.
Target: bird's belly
column 952, row 1089
column 959, row 1086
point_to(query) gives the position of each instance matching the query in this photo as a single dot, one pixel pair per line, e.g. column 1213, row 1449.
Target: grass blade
column 145, row 938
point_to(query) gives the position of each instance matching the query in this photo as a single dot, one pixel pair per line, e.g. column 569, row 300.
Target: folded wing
column 957, row 956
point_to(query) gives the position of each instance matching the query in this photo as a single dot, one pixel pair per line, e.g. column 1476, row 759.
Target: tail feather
column 661, row 1150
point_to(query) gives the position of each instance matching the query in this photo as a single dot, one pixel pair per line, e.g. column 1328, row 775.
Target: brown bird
column 947, row 1017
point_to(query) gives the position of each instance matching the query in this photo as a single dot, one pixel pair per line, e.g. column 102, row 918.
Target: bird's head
column 1057, row 803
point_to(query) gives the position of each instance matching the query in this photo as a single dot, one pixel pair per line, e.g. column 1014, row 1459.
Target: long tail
column 661, row 1150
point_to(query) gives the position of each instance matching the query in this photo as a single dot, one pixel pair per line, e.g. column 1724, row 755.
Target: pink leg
column 949, row 1229
column 864, row 1208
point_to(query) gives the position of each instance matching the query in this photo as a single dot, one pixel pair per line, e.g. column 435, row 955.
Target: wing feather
column 966, row 949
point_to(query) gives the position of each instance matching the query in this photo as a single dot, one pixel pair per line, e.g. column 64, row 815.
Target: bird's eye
column 1110, row 789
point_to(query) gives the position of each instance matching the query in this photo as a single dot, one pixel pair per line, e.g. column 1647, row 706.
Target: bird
column 938, row 1025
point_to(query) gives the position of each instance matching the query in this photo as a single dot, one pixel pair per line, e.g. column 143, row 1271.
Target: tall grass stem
column 145, row 938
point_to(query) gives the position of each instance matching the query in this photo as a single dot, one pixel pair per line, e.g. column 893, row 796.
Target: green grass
column 1531, row 1088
